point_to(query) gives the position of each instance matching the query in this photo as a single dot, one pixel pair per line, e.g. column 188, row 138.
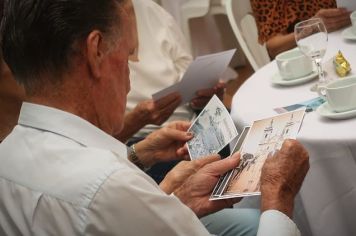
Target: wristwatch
column 134, row 158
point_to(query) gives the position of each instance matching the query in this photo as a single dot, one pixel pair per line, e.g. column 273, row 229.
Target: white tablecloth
column 328, row 194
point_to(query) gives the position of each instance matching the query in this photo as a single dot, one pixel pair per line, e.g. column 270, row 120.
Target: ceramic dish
column 277, row 79
column 325, row 111
column 348, row 34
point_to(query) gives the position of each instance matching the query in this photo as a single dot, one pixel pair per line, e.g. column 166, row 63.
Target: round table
column 328, row 194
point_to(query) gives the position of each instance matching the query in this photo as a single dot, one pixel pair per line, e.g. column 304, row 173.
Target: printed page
column 213, row 129
column 264, row 137
column 204, row 72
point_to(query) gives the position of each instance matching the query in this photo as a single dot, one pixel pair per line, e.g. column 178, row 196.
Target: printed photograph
column 264, row 137
column 213, row 129
column 220, row 186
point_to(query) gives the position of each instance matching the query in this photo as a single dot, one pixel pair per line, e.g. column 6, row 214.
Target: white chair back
column 199, row 8
column 244, row 27
column 157, row 1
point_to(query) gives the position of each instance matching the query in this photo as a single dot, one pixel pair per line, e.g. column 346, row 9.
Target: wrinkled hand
column 282, row 176
column 165, row 144
column 196, row 190
column 182, row 171
column 204, row 95
column 157, row 112
column 334, row 18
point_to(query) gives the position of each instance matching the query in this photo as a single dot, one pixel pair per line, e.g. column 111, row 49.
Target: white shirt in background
column 163, row 58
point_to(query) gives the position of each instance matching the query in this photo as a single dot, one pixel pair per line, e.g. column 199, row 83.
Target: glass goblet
column 312, row 38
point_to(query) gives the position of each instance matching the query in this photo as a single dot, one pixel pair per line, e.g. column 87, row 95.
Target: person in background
column 160, row 60
column 276, row 19
column 61, row 157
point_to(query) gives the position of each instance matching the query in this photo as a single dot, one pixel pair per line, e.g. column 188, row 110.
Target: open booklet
column 204, row 72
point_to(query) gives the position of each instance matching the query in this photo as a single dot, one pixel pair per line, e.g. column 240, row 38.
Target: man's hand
column 334, row 18
column 182, row 171
column 148, row 112
column 204, row 95
column 165, row 144
column 196, row 190
column 157, row 112
column 282, row 176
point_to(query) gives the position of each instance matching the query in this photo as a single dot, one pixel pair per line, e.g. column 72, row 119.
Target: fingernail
column 272, row 153
column 190, row 134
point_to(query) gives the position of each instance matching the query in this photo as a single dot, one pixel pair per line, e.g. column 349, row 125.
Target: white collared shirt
column 60, row 175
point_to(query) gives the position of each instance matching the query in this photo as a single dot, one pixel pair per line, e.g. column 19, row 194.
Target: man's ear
column 95, row 54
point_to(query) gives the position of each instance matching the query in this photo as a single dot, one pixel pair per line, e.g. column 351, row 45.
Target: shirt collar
column 70, row 126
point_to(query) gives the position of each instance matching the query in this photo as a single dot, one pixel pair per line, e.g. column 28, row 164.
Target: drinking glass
column 312, row 39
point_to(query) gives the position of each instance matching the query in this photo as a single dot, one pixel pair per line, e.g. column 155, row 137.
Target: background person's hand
column 165, row 144
column 157, row 112
column 335, row 18
column 203, row 96
column 148, row 112
column 182, row 171
column 196, row 190
column 282, row 176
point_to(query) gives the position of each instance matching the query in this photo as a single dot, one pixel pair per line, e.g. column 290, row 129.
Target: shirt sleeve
column 275, row 223
column 130, row 203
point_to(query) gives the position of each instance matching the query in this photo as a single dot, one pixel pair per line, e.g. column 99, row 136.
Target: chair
column 199, row 8
column 157, row 1
column 244, row 27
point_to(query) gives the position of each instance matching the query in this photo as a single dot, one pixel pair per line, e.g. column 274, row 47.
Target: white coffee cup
column 293, row 64
column 340, row 94
column 353, row 21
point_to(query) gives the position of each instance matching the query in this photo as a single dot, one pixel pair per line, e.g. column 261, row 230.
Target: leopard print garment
column 275, row 17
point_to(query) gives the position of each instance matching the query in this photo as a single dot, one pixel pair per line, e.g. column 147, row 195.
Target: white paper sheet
column 203, row 72
column 348, row 4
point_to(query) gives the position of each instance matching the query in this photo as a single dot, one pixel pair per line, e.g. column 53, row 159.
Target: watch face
column 134, row 158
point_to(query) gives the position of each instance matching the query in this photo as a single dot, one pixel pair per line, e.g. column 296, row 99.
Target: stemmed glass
column 312, row 38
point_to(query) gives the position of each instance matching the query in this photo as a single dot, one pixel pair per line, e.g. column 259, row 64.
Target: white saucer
column 348, row 34
column 325, row 110
column 277, row 79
